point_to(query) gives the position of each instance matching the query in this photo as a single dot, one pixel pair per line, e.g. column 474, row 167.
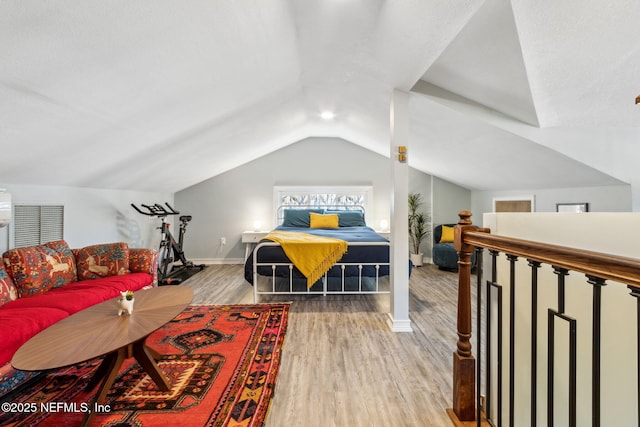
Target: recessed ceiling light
column 327, row 115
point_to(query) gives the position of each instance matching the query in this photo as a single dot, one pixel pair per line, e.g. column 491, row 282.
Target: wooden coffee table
column 99, row 331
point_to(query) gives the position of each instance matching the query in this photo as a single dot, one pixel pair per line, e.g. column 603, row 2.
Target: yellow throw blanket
column 312, row 255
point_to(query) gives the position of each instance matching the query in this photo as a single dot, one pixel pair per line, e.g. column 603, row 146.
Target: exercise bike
column 170, row 250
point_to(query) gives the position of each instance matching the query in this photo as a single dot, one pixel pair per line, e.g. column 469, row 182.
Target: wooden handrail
column 610, row 267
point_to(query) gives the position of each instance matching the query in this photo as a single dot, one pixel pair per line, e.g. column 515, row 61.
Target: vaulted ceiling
column 159, row 95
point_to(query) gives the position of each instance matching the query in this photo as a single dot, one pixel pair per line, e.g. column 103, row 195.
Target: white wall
column 93, row 216
column 615, row 198
column 451, row 200
column 612, row 233
column 226, row 205
column 612, row 150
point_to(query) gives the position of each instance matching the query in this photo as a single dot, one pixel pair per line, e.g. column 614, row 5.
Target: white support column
column 399, row 314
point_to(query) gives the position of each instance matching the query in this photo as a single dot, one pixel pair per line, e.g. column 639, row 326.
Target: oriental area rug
column 222, row 363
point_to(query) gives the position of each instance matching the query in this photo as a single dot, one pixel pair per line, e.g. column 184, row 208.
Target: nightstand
column 386, row 233
column 250, row 239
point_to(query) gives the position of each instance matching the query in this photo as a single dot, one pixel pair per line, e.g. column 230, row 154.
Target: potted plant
column 418, row 223
column 125, row 303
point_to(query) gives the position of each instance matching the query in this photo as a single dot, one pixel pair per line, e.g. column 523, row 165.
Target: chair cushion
column 444, row 255
column 447, row 234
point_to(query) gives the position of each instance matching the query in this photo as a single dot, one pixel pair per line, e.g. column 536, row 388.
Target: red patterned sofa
column 40, row 285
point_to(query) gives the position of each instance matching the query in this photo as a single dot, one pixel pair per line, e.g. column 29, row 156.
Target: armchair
column 443, row 253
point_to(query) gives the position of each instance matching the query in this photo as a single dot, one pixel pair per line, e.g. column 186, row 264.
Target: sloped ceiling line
column 149, row 87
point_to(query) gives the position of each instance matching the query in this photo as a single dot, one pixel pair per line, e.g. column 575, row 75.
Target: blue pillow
column 349, row 218
column 298, row 217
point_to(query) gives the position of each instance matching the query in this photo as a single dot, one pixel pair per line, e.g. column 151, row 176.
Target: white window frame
column 366, row 191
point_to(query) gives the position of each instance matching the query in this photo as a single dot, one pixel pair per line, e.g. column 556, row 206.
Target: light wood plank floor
column 341, row 364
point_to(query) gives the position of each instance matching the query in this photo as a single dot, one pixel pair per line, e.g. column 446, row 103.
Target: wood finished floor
column 341, row 364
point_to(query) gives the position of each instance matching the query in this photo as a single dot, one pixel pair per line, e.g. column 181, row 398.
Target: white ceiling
column 159, row 95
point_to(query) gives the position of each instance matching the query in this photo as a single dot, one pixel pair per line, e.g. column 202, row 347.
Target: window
column 37, row 224
column 331, row 197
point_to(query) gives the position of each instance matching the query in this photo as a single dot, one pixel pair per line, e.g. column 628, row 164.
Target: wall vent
column 37, row 224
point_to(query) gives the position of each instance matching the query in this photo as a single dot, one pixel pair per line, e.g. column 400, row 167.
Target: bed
column 363, row 269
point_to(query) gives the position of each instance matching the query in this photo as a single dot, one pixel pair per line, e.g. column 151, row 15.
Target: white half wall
column 611, row 233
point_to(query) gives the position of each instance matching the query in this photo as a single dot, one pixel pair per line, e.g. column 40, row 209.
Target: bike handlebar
column 156, row 210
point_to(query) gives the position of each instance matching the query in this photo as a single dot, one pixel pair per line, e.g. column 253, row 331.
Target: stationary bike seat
column 185, row 218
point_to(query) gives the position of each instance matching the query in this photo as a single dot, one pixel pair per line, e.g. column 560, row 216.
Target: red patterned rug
column 221, row 361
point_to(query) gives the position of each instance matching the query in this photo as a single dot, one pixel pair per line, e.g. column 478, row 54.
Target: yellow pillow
column 323, row 221
column 447, row 234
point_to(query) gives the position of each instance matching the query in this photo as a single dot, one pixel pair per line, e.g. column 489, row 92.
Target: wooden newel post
column 464, row 364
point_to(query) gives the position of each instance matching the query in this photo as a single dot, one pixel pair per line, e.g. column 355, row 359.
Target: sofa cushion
column 111, row 259
column 37, row 269
column 8, row 291
column 143, row 260
column 20, row 324
column 78, row 296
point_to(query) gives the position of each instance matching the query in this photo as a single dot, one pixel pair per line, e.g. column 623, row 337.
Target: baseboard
column 214, row 261
column 399, row 325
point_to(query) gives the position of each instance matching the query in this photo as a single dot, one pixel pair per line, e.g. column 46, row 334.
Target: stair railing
column 472, row 402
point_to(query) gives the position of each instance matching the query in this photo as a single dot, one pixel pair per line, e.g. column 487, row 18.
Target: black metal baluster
column 573, row 344
column 562, row 274
column 512, row 335
column 489, row 346
column 550, row 367
column 535, row 265
column 500, row 357
column 479, row 252
column 573, row 368
column 487, row 323
column 635, row 292
column 597, row 283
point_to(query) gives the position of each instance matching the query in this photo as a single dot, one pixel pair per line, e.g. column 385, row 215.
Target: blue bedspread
column 355, row 254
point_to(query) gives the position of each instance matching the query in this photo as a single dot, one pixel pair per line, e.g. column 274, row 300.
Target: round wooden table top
column 98, row 330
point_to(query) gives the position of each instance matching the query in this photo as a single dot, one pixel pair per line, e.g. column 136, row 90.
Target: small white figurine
column 125, row 303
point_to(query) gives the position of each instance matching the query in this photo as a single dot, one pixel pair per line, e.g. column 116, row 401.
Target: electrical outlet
column 223, row 241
